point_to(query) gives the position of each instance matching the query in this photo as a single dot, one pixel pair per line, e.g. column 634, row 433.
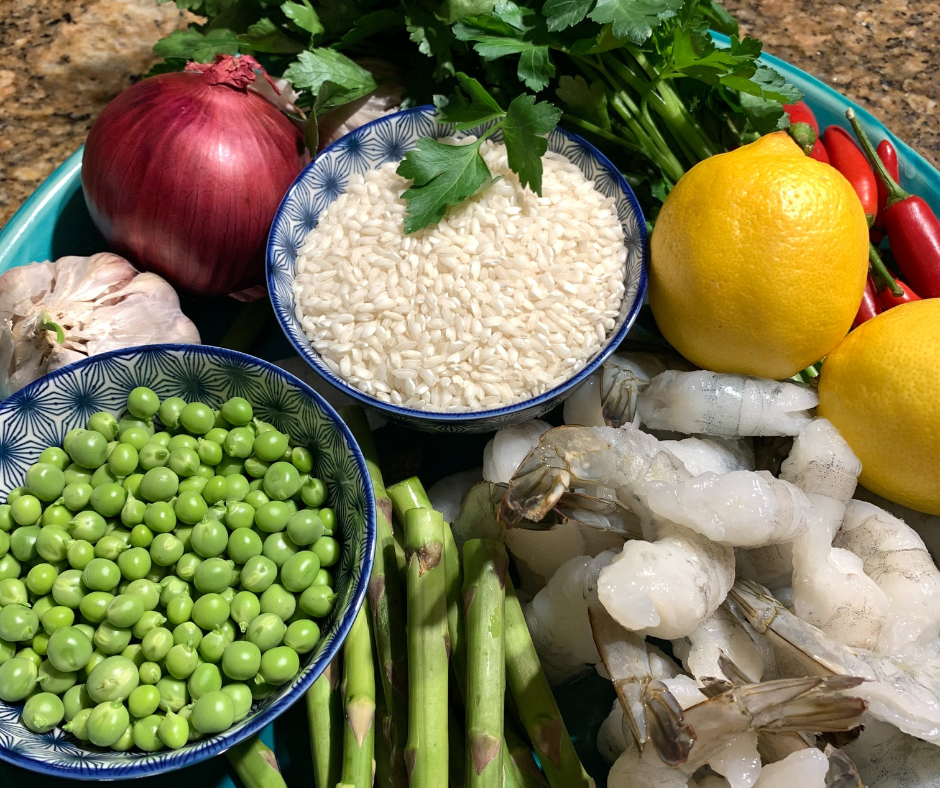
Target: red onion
column 183, row 173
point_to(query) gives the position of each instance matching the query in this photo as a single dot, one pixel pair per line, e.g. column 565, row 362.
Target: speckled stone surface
column 62, row 61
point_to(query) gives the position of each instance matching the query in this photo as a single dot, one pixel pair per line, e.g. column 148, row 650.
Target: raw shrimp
column 724, row 404
column 718, row 455
column 608, row 397
column 830, row 587
column 926, row 525
column 770, row 565
column 821, row 462
column 558, row 618
column 721, row 634
column 739, row 762
column 806, row 768
column 895, row 558
column 907, row 696
column 633, row 770
column 509, row 447
column 582, row 456
column 888, row 758
column 739, row 509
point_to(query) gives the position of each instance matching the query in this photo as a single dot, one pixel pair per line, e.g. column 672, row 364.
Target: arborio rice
column 506, row 298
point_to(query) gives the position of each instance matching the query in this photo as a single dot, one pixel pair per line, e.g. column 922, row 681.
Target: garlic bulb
column 54, row 313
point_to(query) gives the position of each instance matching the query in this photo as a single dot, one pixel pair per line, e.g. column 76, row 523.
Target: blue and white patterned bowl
column 388, row 139
column 40, row 414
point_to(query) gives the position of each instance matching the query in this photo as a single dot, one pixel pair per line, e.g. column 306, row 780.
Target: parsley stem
column 597, row 131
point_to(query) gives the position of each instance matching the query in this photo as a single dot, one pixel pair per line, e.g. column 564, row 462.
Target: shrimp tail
column 843, row 773
column 535, row 487
column 601, row 514
column 671, row 735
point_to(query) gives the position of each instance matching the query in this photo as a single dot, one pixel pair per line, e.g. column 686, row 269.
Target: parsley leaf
column 303, row 15
column 454, row 10
column 483, row 106
column 588, row 103
column 561, row 14
column 316, row 66
column 192, row 45
column 265, row 36
column 536, row 68
column 634, row 19
column 524, row 131
column 368, row 25
column 443, row 175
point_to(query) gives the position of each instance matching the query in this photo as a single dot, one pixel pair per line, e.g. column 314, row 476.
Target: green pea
column 56, row 618
column 197, row 418
column 153, row 455
column 104, row 424
column 143, row 403
column 125, row 610
column 209, row 452
column 96, row 657
column 255, row 467
column 229, row 466
column 241, row 699
column 243, row 544
column 74, row 700
column 9, row 566
column 239, row 514
column 94, row 606
column 133, row 513
column 89, row 449
column 18, row 623
column 318, row 601
column 75, row 496
column 237, row 411
column 76, row 474
column 278, row 601
column 256, row 498
column 135, row 436
column 174, row 731
column 7, row 651
column 187, row 565
column 108, row 499
column 170, row 587
column 129, row 421
column 180, row 609
column 149, row 619
column 328, row 518
column 183, row 462
column 210, row 611
column 302, row 635
column 55, row 456
column 132, row 484
column 190, row 507
column 13, row 592
column 19, row 678
column 69, row 649
column 45, row 481
column 52, row 679
column 157, row 644
column 213, row 646
column 239, row 443
column 214, row 712
column 313, row 493
column 166, row 549
column 111, row 639
column 169, row 412
column 40, row 578
column 134, row 563
column 215, row 490
column 146, row 733
column 14, row 494
column 107, row 723
column 272, row 517
column 209, row 539
column 30, row 654
column 187, row 632
column 193, row 485
column 266, row 631
column 213, row 575
column 159, row 484
column 123, row 459
column 40, row 644
column 4, row 543
column 150, row 672
column 205, row 678
column 245, row 607
column 161, row 438
column 160, row 517
column 78, row 725
column 304, row 527
column 26, row 510
column 6, row 518
column 101, row 574
column 157, row 573
column 281, row 481
column 327, row 550
column 87, row 525
column 258, row 573
column 143, row 701
column 300, row 570
column 141, row 535
column 43, row 712
column 87, row 630
column 278, row 548
column 111, row 545
column 241, row 660
column 279, row 665
column 271, row 445
column 181, row 661
column 206, row 471
column 173, row 694
column 80, row 554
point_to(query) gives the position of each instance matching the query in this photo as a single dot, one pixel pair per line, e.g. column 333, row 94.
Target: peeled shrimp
column 907, row 696
column 805, row 768
column 821, row 462
column 830, row 587
column 718, row 455
column 509, row 447
column 558, row 618
column 608, row 397
column 723, row 404
column 895, row 558
column 740, row 509
column 770, row 565
column 926, row 525
column 720, row 635
column 633, row 770
column 739, row 762
column 888, row 758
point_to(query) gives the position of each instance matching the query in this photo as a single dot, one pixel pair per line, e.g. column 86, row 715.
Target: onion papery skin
column 183, row 178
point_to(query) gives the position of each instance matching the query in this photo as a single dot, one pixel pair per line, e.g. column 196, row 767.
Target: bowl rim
column 308, row 354
column 208, row 748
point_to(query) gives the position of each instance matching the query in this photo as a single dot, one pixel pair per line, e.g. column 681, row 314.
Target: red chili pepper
column 913, row 229
column 889, row 157
column 819, row 153
column 801, row 113
column 889, row 299
column 846, row 157
column 870, row 305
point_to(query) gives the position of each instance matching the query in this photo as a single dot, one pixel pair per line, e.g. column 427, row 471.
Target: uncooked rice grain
column 507, row 297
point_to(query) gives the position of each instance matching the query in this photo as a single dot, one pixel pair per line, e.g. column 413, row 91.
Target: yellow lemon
column 881, row 388
column 759, row 259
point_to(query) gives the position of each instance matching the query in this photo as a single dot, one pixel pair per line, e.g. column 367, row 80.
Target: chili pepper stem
column 895, row 192
column 881, row 272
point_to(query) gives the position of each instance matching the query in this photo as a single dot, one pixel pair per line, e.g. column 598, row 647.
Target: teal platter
column 55, row 222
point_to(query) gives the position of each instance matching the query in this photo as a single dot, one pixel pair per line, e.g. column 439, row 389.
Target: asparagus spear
column 524, row 771
column 325, row 718
column 485, row 565
column 255, row 764
column 388, row 607
column 426, row 753
column 359, row 696
column 537, row 707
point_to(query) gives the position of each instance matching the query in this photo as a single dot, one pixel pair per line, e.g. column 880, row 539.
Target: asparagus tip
column 484, row 748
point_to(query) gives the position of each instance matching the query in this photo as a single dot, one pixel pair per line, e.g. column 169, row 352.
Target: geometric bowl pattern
column 40, row 414
column 388, row 139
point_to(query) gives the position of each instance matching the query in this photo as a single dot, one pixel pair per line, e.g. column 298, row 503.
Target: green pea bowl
column 39, row 416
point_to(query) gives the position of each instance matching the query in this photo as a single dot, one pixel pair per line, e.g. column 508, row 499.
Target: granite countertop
column 61, row 61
